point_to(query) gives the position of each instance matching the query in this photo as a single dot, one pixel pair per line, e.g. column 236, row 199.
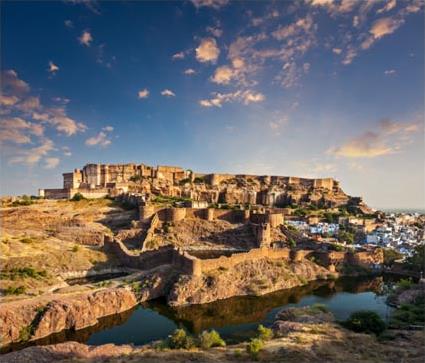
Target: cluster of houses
column 315, row 229
column 401, row 232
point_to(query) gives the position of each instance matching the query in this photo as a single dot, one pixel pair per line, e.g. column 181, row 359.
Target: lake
column 235, row 319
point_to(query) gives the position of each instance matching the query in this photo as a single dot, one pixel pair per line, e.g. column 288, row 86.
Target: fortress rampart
column 191, row 265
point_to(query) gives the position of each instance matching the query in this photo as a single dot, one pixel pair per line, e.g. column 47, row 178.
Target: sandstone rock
column 68, row 350
column 42, row 318
column 83, row 311
column 258, row 277
column 294, row 319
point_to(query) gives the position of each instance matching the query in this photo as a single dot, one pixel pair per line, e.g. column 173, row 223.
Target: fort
column 192, row 265
column 101, row 180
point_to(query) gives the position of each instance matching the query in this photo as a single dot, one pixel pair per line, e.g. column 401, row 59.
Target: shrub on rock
column 181, row 340
column 208, row 339
column 365, row 322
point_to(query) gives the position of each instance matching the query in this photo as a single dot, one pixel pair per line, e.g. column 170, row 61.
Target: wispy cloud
column 178, row 56
column 68, row 23
column 246, row 97
column 390, row 137
column 168, row 93
column 51, row 162
column 390, row 72
column 92, row 5
column 102, row 138
column 215, row 4
column 189, row 72
column 25, row 118
column 32, row 156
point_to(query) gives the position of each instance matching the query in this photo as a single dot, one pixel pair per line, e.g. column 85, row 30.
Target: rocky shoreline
column 32, row 319
column 299, row 335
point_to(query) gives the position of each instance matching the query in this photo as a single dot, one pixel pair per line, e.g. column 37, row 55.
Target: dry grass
column 44, row 236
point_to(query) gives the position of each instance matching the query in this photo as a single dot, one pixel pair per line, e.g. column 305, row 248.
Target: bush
column 210, row 339
column 292, row 242
column 14, row 290
column 75, row 248
column 254, row 347
column 25, row 333
column 409, row 314
column 390, row 256
column 365, row 321
column 77, row 197
column 23, row 272
column 404, row 284
column 181, row 340
column 264, row 333
column 346, row 236
column 320, row 307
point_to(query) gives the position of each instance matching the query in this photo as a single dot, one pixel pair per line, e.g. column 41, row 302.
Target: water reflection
column 234, row 318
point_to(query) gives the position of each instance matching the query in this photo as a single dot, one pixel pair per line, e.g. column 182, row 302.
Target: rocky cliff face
column 34, row 319
column 247, row 278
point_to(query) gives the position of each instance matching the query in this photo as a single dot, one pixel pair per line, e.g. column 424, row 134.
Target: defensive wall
column 274, row 218
column 191, row 265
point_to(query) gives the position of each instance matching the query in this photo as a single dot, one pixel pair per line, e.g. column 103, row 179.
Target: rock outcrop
column 31, row 320
column 248, row 278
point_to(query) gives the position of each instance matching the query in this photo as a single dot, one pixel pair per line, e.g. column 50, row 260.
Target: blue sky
column 309, row 88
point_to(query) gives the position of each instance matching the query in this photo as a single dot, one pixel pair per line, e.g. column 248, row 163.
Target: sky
column 310, row 88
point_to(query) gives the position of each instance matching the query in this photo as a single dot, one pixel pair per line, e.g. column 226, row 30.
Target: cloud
column 390, row 72
column 189, row 72
column 337, row 50
column 25, row 118
column 101, row 139
column 29, row 104
column 68, row 23
column 215, row 4
column 12, row 84
column 349, row 56
column 215, row 31
column 92, row 5
column 66, row 151
column 223, row 75
column 144, row 93
column 207, row 51
column 179, row 55
column 246, row 97
column 57, row 117
column 17, row 130
column 33, row 155
column 380, row 28
column 278, row 124
column 53, row 68
column 51, row 163
column 389, row 138
column 366, row 145
column 389, row 5
column 85, row 38
column 8, row 100
column 108, row 128
column 168, row 93
column 300, row 26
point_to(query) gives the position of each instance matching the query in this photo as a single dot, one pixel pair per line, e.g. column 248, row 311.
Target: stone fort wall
column 191, row 265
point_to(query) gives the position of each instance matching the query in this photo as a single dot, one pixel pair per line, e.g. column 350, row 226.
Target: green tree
column 416, row 262
column 346, row 236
